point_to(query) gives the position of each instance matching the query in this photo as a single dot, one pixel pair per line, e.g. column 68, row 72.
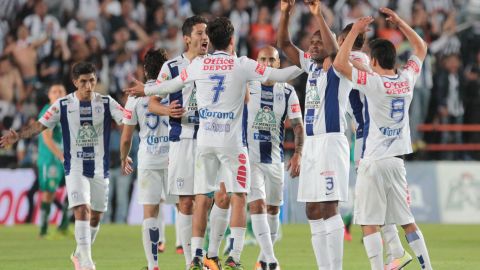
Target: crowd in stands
column 40, row 39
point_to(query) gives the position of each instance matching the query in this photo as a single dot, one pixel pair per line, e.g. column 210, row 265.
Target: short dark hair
column 384, row 52
column 359, row 41
column 190, row 22
column 220, row 32
column 154, row 60
column 82, row 68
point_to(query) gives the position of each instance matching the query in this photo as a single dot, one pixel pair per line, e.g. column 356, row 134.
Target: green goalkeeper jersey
column 44, row 154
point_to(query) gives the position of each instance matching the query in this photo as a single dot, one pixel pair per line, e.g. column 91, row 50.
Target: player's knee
column 95, row 218
column 328, row 209
column 313, row 211
column 150, row 211
column 273, row 209
column 81, row 212
column 257, row 207
column 186, row 205
column 409, row 228
column 222, row 200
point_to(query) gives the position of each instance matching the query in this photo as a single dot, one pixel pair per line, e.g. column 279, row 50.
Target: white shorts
column 84, row 190
column 152, row 187
column 324, row 169
column 266, row 183
column 381, row 193
column 215, row 164
column 181, row 167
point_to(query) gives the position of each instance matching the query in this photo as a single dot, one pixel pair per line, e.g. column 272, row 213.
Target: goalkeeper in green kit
column 50, row 165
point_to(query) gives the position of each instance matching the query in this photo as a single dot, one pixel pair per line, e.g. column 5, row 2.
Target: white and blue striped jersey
column 326, row 98
column 387, row 101
column 268, row 108
column 187, row 126
column 86, row 132
column 154, row 144
column 357, row 108
column 221, row 82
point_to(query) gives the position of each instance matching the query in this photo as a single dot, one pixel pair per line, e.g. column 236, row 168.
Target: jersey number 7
column 219, row 87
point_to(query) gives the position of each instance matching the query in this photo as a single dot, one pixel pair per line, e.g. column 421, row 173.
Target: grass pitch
column 119, row 247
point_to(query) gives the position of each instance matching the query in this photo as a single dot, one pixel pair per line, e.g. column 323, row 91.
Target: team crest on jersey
column 265, row 120
column 87, row 136
column 180, row 183
column 99, row 109
column 312, row 99
column 279, row 96
column 192, row 101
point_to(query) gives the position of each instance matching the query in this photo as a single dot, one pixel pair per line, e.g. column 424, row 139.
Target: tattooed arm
column 294, row 163
column 25, row 132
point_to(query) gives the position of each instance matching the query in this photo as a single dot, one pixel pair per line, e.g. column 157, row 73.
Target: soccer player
column 381, row 191
column 85, row 118
column 183, row 130
column 152, row 156
column 397, row 257
column 323, row 179
column 49, row 163
column 269, row 106
column 220, row 80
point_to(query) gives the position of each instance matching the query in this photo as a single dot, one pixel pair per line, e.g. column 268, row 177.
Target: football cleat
column 75, row 260
column 212, row 263
column 273, row 266
column 260, row 265
column 196, row 264
column 230, row 264
column 399, row 263
column 179, row 250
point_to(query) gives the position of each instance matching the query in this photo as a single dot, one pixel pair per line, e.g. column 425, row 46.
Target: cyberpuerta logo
column 260, row 69
column 242, row 170
column 362, row 77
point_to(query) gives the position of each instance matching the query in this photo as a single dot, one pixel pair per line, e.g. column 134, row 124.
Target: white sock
column 274, row 224
column 373, row 246
column 335, row 233
column 238, row 235
column 94, row 232
column 185, row 232
column 262, row 233
column 417, row 243
column 151, row 234
column 161, row 225
column 84, row 242
column 393, row 245
column 178, row 240
column 197, row 247
column 319, row 243
column 218, row 225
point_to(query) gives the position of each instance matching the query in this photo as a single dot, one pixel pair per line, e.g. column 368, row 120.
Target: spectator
column 52, row 67
column 241, row 22
column 11, row 85
column 261, row 32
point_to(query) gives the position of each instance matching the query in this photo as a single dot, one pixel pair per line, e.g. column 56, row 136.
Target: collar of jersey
column 220, row 53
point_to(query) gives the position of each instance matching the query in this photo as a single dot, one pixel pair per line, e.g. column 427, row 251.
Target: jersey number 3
column 217, row 88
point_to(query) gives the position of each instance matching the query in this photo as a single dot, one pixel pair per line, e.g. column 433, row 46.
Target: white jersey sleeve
column 294, row 110
column 252, row 70
column 52, row 116
column 365, row 82
column 116, row 110
column 305, row 61
column 129, row 114
column 412, row 69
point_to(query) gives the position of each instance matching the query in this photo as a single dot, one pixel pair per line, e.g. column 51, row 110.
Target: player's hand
column 361, row 25
column 138, row 90
column 314, row 6
column 127, row 166
column 286, row 5
column 175, row 110
column 8, row 139
column 391, row 15
column 294, row 165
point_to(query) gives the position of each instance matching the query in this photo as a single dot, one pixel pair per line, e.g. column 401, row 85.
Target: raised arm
column 47, row 136
column 125, row 146
column 341, row 62
column 25, row 132
column 173, row 110
column 418, row 44
column 328, row 38
column 283, row 36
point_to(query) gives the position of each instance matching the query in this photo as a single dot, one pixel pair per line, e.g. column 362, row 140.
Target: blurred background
column 40, row 40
